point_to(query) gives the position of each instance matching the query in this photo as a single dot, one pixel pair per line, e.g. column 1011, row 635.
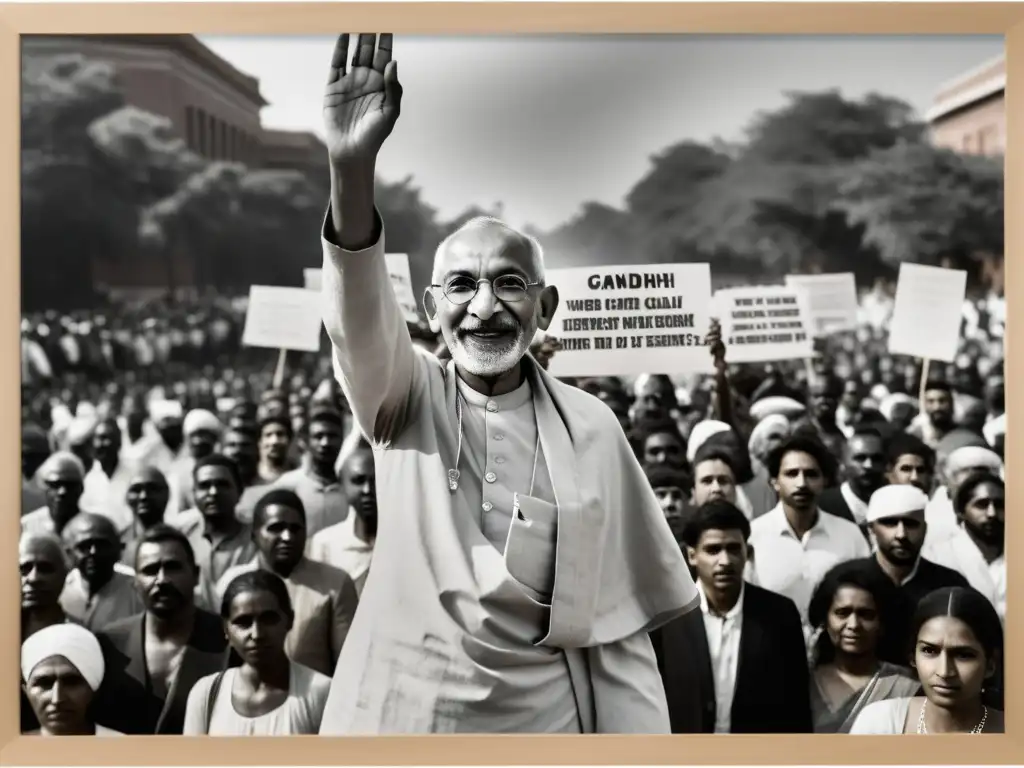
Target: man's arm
column 372, row 352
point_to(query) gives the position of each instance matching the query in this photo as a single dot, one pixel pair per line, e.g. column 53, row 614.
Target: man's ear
column 430, row 309
column 547, row 304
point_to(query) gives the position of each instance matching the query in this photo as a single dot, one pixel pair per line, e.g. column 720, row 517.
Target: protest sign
column 927, row 313
column 763, row 323
column 831, row 301
column 401, row 279
column 624, row 320
column 283, row 318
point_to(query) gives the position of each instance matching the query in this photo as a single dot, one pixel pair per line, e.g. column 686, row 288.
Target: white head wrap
column 75, row 643
column 781, row 406
column 896, row 501
column 62, row 460
column 772, row 423
column 80, row 430
column 200, row 420
column 703, row 430
column 888, row 404
column 973, row 457
column 994, row 429
column 165, row 410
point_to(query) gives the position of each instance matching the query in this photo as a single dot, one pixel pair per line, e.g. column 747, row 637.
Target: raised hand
column 361, row 102
column 714, row 341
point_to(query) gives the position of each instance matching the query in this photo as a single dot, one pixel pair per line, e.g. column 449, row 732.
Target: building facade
column 969, row 112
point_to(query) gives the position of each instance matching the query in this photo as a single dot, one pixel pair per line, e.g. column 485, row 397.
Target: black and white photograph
column 383, row 384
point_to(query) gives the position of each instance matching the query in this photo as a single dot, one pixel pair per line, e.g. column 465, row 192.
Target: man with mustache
column 745, row 658
column 864, row 465
column 896, row 519
column 323, row 597
column 155, row 657
column 491, row 472
column 937, row 420
column 99, row 590
column 797, row 542
column 349, row 545
column 147, row 497
column 316, row 481
column 977, row 546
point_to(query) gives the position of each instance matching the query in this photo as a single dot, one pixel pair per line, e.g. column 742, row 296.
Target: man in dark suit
column 738, row 665
column 864, row 465
column 155, row 658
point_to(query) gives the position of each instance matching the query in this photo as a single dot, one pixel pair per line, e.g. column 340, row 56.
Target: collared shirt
column 324, row 501
column 339, row 546
column 324, row 601
column 793, row 566
column 924, row 578
column 214, row 560
column 723, row 633
column 247, row 502
column 958, row 551
column 108, row 496
column 117, row 599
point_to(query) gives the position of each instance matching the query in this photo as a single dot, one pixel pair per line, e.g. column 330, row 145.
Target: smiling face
column 489, row 334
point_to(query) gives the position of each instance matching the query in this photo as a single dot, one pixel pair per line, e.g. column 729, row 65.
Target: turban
column 201, row 420
column 781, row 406
column 959, row 438
column 896, row 501
column 772, row 423
column 994, row 429
column 75, row 643
column 973, row 457
column 887, row 406
column 703, row 430
column 80, row 431
column 165, row 410
column 879, row 392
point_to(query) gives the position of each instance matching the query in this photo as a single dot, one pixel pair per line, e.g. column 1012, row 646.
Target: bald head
column 86, row 525
column 63, row 464
column 43, row 566
column 485, row 236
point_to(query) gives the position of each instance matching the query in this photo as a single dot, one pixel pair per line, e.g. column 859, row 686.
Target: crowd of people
column 771, row 549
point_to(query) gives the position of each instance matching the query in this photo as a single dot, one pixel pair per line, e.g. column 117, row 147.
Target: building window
column 201, row 144
column 190, row 131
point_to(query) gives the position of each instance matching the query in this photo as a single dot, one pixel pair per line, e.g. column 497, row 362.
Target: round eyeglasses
column 461, row 289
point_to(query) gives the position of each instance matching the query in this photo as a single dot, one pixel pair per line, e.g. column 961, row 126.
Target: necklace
column 454, row 474
column 923, row 729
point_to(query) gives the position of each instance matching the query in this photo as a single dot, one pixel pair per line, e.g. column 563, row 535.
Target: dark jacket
column 833, row 502
column 126, row 701
column 772, row 693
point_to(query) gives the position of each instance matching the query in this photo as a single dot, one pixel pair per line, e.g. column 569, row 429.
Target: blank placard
column 928, row 313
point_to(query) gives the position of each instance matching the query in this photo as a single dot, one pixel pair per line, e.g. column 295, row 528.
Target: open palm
column 361, row 103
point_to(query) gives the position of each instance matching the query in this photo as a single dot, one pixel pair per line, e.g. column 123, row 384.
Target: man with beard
column 275, row 442
column 154, row 658
column 106, row 484
column 825, row 393
column 219, row 540
column 864, row 469
column 910, row 462
column 97, row 592
column 977, row 547
column 492, row 472
column 896, row 518
column 797, row 542
column 62, row 478
column 316, row 481
column 323, row 597
column 43, row 567
column 960, row 455
column 349, row 545
column 745, row 657
column 147, row 498
column 201, row 430
column 937, row 420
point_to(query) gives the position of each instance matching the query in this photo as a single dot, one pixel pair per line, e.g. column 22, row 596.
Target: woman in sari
column 957, row 645
column 855, row 611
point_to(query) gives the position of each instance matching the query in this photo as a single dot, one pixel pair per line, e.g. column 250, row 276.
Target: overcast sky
column 543, row 124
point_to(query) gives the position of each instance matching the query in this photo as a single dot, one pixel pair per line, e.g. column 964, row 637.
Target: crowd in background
column 188, row 525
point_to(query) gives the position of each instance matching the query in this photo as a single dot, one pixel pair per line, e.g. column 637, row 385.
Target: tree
column 920, row 203
column 412, row 227
column 598, row 234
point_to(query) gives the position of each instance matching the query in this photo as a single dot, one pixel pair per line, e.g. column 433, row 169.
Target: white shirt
column 957, row 550
column 793, row 567
column 858, row 508
column 108, row 496
column 723, row 633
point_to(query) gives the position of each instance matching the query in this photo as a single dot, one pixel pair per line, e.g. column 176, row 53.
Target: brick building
column 969, row 112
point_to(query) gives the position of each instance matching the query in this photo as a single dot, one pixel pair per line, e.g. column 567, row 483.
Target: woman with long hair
column 957, row 642
column 855, row 611
column 268, row 695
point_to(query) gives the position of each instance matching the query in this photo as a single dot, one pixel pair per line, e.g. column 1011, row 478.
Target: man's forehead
column 491, row 249
column 167, row 551
column 798, row 460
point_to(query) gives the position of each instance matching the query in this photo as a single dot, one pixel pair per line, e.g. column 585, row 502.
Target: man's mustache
column 503, row 326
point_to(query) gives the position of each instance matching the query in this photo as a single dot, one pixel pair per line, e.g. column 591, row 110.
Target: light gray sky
column 543, row 124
